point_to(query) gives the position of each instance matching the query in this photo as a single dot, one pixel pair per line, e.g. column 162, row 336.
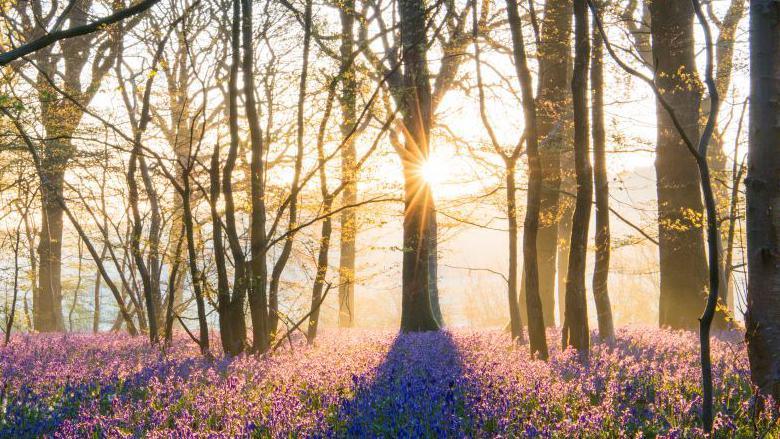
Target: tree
column 698, row 151
column 60, row 118
column 510, row 159
column 348, row 220
column 553, row 106
column 79, row 29
column 575, row 324
column 681, row 242
column 601, row 185
column 763, row 198
column 536, row 335
column 419, row 222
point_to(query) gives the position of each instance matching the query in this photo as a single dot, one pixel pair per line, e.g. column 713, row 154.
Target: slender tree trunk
column 717, row 155
column 516, row 324
column 575, row 325
column 261, row 329
column 30, row 234
column 601, row 184
column 349, row 175
column 322, row 271
column 9, row 324
column 281, row 262
column 566, row 209
column 96, row 300
column 763, row 199
column 536, row 331
column 173, row 278
column 554, row 53
column 738, row 169
column 683, row 263
column 189, row 226
column 78, row 286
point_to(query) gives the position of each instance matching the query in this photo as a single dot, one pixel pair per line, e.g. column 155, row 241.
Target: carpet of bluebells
column 373, row 384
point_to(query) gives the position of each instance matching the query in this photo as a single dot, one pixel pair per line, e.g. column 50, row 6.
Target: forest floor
column 373, row 384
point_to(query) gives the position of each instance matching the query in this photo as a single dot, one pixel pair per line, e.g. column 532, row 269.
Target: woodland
column 390, row 218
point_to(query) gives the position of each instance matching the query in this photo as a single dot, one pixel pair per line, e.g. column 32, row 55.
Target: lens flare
column 433, row 172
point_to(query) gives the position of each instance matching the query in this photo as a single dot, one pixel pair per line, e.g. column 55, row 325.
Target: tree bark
column 349, row 176
column 601, row 185
column 416, row 311
column 322, row 270
column 60, row 118
column 683, row 264
column 536, row 331
column 575, row 325
column 552, row 103
column 566, row 209
column 262, row 328
column 516, row 324
column 762, row 318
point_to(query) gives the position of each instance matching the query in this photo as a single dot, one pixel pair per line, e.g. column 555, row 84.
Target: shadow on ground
column 419, row 390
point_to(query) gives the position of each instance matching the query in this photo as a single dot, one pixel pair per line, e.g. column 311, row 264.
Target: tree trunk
column 47, row 310
column 601, row 184
column 348, row 169
column 552, row 103
column 416, row 311
column 566, row 209
column 575, row 325
column 262, row 330
column 536, row 332
column 96, row 314
column 195, row 276
column 683, row 264
column 762, row 318
column 281, row 262
column 322, row 270
column 516, row 325
column 717, row 156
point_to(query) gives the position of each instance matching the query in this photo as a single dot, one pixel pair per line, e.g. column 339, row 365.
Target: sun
column 433, row 172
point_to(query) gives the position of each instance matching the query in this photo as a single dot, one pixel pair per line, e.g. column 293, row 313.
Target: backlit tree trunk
column 536, row 333
column 683, row 263
column 347, row 101
column 601, row 184
column 416, row 310
column 575, row 325
column 552, row 104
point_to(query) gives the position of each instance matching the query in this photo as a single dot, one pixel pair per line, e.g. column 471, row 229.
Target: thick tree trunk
column 552, row 103
column 536, row 332
column 348, row 219
column 763, row 199
column 60, row 118
column 47, row 310
column 683, row 263
column 575, row 325
column 601, row 184
column 416, row 311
